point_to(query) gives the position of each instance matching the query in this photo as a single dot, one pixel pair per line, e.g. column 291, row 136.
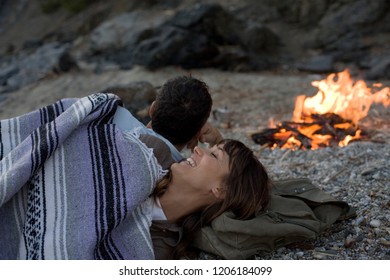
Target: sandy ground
column 252, row 98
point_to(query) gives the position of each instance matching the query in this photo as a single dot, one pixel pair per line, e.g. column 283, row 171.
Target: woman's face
column 205, row 168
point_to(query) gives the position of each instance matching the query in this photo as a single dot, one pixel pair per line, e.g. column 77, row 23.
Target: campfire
column 329, row 118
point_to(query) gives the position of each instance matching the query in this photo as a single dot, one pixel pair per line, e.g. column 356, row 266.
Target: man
column 178, row 117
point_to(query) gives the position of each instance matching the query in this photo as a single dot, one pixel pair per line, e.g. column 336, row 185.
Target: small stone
column 385, row 242
column 318, row 256
column 349, row 242
column 357, row 230
column 299, row 254
column 359, row 220
column 375, row 223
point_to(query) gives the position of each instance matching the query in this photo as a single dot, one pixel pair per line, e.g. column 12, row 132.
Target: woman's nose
column 198, row 150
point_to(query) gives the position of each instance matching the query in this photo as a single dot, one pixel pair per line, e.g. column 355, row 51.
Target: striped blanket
column 73, row 186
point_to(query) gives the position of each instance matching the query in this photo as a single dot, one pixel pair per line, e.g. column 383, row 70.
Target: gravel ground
column 358, row 174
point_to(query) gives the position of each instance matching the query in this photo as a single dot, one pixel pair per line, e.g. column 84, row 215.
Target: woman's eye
column 213, row 155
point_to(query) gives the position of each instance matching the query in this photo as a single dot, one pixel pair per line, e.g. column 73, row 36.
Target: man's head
column 181, row 109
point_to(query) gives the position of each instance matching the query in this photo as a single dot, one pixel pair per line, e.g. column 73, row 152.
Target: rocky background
column 255, row 55
column 321, row 36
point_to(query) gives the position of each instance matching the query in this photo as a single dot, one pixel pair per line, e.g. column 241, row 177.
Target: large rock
column 113, row 41
column 28, row 68
column 317, row 64
column 175, row 46
column 212, row 20
column 353, row 16
column 189, row 39
column 136, row 97
column 257, row 38
column 123, row 31
column 380, row 68
column 194, row 37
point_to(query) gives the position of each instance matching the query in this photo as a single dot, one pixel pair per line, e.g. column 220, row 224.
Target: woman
column 227, row 177
column 74, row 186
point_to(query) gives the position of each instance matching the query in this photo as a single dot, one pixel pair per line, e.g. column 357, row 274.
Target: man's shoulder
column 160, row 149
column 126, row 121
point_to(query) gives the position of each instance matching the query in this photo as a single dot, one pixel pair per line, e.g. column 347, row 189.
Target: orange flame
column 341, row 96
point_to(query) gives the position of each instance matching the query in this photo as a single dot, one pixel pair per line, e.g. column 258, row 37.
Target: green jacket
column 298, row 211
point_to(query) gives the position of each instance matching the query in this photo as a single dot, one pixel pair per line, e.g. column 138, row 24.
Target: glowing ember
column 329, row 118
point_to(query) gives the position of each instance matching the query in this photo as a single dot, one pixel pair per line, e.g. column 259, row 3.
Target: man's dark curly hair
column 182, row 107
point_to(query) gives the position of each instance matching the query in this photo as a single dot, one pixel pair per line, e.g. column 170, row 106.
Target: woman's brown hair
column 247, row 192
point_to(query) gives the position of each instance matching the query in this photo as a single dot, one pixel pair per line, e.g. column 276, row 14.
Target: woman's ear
column 219, row 192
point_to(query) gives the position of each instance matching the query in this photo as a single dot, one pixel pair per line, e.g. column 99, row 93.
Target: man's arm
column 160, row 149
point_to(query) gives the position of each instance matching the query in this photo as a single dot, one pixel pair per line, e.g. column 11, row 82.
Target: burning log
column 330, row 128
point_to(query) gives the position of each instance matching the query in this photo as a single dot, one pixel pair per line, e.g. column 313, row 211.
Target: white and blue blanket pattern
column 72, row 185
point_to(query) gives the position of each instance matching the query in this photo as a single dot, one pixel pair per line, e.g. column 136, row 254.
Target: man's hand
column 209, row 134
